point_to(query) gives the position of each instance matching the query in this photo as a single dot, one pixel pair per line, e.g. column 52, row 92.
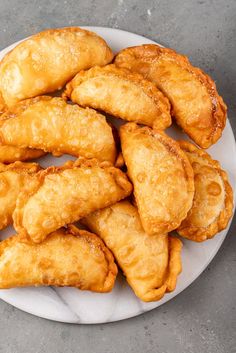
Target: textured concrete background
column 203, row 317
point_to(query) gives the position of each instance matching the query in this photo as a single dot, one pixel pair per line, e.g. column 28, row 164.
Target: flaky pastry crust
column 68, row 257
column 11, row 154
column 151, row 264
column 121, row 93
column 162, row 177
column 13, row 178
column 196, row 104
column 62, row 195
column 52, row 125
column 213, row 200
column 3, row 106
column 44, row 62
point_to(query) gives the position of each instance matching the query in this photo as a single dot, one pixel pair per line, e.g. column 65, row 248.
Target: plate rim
column 187, row 283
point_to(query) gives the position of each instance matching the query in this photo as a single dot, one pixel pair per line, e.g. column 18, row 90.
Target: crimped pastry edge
column 21, row 167
column 37, row 181
column 174, row 269
column 51, row 31
column 149, row 52
column 202, row 234
column 76, row 232
column 146, row 86
column 174, row 148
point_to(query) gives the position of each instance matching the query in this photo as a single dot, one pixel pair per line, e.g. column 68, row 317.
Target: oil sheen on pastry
column 62, row 195
column 196, row 105
column 46, row 61
column 213, row 198
column 162, row 177
column 151, row 264
column 68, row 257
column 52, row 125
column 121, row 93
column 11, row 154
column 13, row 178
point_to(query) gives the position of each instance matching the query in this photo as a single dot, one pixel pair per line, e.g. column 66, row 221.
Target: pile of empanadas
column 129, row 188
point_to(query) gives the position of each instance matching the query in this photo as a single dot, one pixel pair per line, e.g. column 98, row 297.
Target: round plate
column 75, row 306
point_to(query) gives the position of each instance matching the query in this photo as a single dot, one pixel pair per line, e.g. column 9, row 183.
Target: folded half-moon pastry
column 196, row 104
column 151, row 264
column 62, row 195
column 162, row 177
column 121, row 93
column 52, row 125
column 46, row 61
column 68, row 257
column 213, row 198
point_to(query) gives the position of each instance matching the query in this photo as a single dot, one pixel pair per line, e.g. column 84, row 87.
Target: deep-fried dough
column 69, row 257
column 121, row 93
column 54, row 126
column 196, row 105
column 213, row 198
column 13, row 177
column 11, row 154
column 162, row 177
column 151, row 264
column 62, row 195
column 2, row 105
column 46, row 61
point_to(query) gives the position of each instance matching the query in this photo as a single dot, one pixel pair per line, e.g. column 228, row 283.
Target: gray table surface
column 202, row 319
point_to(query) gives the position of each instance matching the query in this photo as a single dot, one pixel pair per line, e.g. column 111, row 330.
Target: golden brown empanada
column 3, row 106
column 13, row 178
column 62, row 195
column 54, row 126
column 196, row 105
column 68, row 257
column 151, row 264
column 121, row 93
column 46, row 61
column 11, row 154
column 213, row 199
column 162, row 177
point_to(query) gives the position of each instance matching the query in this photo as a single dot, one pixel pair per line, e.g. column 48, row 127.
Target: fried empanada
column 54, row 126
column 151, row 264
column 46, row 61
column 11, row 154
column 68, row 257
column 162, row 177
column 196, row 105
column 121, row 93
column 213, row 199
column 62, row 195
column 2, row 105
column 13, row 178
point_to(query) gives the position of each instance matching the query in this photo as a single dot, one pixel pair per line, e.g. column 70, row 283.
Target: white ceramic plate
column 74, row 306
